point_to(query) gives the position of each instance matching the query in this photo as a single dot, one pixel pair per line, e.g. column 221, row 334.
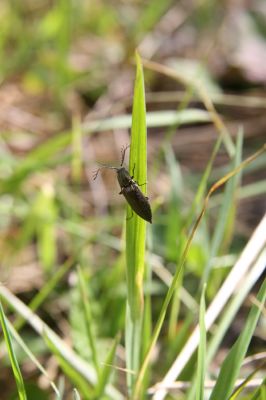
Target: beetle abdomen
column 137, row 201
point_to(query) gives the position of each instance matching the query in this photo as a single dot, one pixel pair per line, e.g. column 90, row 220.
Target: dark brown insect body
column 131, row 191
column 133, row 195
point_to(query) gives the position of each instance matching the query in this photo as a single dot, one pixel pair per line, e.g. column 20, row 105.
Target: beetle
column 130, row 189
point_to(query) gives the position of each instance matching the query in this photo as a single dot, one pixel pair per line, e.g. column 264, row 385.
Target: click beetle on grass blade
column 130, row 189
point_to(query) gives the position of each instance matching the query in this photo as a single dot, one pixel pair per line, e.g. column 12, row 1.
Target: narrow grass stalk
column 260, row 393
column 88, row 320
column 107, row 369
column 239, row 389
column 201, row 368
column 76, row 395
column 76, row 164
column 224, row 211
column 13, row 360
column 136, row 230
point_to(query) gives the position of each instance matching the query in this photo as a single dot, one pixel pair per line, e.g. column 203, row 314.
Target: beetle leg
column 132, row 177
column 142, row 184
column 123, row 152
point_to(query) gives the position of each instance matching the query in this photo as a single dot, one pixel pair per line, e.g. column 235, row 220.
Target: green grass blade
column 76, row 164
column 147, row 314
column 201, row 368
column 260, row 393
column 107, row 368
column 154, row 119
column 76, row 395
column 29, row 353
column 136, row 228
column 225, row 210
column 68, row 368
column 14, row 363
column 243, row 384
column 232, row 363
column 88, row 319
column 202, row 189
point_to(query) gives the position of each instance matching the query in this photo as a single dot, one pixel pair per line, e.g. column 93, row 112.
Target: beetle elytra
column 130, row 190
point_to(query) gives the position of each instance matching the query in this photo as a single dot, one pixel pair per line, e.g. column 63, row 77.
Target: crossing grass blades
column 130, row 189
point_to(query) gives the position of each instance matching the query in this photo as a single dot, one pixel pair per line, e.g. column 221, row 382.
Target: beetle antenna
column 95, row 173
column 123, row 152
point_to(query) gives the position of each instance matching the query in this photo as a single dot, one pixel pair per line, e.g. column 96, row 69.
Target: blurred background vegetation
column 67, row 74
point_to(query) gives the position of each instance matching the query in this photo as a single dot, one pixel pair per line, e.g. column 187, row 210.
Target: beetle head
column 123, row 176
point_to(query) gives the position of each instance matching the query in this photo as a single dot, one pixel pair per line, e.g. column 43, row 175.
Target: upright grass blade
column 14, row 363
column 260, row 393
column 69, row 370
column 76, row 395
column 243, row 384
column 225, row 210
column 232, row 363
column 107, row 368
column 136, row 228
column 201, row 368
column 88, row 319
column 76, row 164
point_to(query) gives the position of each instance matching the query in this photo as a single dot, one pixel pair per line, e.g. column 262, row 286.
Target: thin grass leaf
column 107, row 368
column 76, row 395
column 242, row 386
column 136, row 228
column 69, row 369
column 45, row 215
column 29, row 353
column 203, row 182
column 88, row 319
column 201, row 367
column 260, row 393
column 147, row 317
column 13, row 360
column 232, row 363
column 154, row 119
column 76, row 164
column 224, row 211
